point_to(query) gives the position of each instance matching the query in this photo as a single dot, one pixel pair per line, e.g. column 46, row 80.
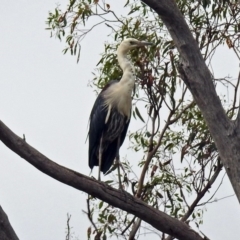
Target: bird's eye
column 131, row 42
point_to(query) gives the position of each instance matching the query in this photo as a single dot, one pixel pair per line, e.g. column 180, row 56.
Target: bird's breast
column 118, row 96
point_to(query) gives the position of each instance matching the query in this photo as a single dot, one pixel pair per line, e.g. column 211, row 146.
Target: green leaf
column 109, row 181
column 139, row 115
column 111, row 219
column 100, row 205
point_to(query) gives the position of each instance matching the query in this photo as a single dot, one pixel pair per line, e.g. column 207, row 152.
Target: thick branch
column 198, row 79
column 116, row 198
column 6, row 230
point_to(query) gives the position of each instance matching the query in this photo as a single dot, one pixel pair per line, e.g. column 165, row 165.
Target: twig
column 89, row 214
column 150, row 155
column 68, row 236
column 128, row 226
column 134, row 230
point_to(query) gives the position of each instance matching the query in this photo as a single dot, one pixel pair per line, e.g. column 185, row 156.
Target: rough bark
column 116, row 198
column 197, row 77
column 6, row 230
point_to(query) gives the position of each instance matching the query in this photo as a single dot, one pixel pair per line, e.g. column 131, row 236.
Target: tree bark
column 116, row 198
column 197, row 77
column 6, row 230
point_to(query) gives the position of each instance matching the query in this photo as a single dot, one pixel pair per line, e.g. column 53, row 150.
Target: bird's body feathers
column 107, row 125
column 116, row 96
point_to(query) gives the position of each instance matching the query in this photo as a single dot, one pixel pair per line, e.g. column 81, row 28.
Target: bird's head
column 130, row 43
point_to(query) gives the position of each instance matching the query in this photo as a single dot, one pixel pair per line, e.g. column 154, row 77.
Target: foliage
column 179, row 162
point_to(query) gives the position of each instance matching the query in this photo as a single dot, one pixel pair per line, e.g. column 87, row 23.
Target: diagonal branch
column 197, row 77
column 116, row 198
column 6, row 230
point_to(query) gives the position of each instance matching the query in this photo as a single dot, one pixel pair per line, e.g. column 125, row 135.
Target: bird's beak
column 143, row 43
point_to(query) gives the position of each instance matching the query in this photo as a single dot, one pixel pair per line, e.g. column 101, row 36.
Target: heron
column 111, row 113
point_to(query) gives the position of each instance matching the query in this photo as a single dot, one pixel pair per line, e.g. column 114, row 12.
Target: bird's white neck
column 128, row 77
column 120, row 95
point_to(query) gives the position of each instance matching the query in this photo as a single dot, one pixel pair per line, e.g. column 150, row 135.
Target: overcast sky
column 45, row 95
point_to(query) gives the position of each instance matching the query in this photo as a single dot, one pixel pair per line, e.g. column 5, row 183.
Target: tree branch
column 135, row 228
column 116, row 198
column 6, row 230
column 198, row 79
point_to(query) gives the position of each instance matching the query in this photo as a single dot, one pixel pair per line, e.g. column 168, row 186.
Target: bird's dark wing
column 97, row 119
column 109, row 154
column 124, row 132
column 96, row 127
column 115, row 128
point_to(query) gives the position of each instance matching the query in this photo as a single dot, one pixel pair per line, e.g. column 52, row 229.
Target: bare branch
column 134, row 230
column 128, row 226
column 68, row 235
column 89, row 214
column 6, row 230
column 150, row 155
column 116, row 198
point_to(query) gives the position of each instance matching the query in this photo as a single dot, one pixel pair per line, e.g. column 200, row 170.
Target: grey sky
column 45, row 95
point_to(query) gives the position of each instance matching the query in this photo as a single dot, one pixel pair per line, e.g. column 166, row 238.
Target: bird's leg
column 100, row 160
column 118, row 164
